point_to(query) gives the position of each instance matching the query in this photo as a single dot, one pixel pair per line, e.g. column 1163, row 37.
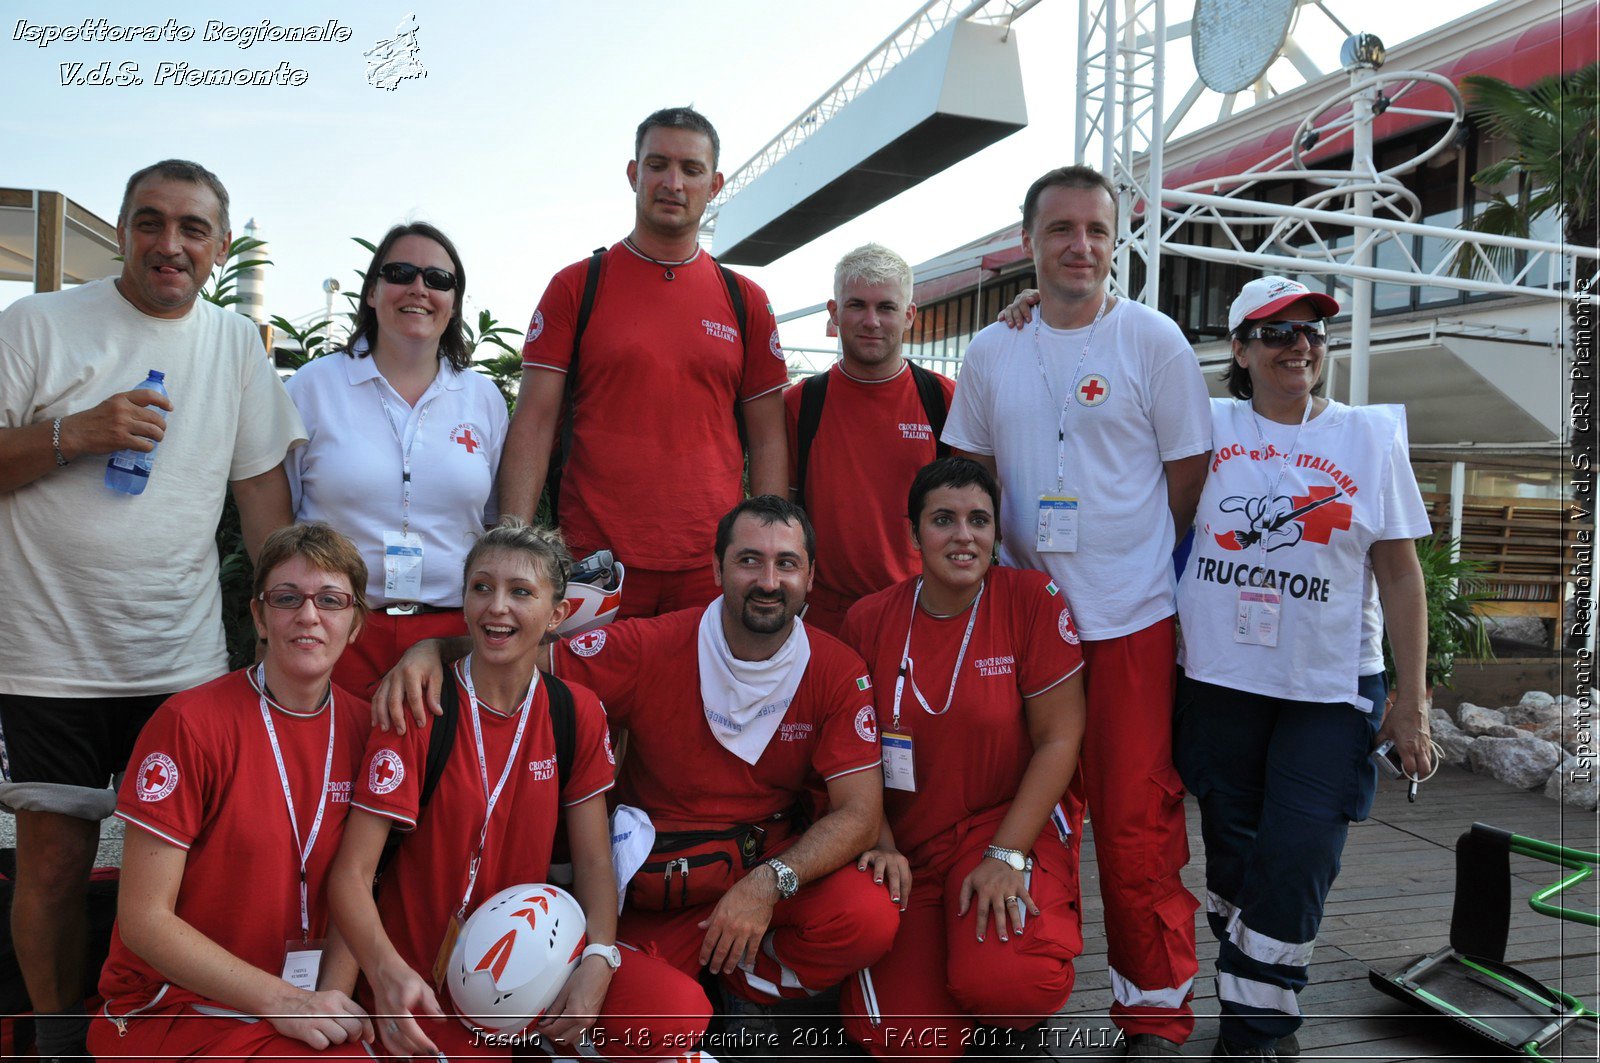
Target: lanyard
column 1284, row 460
column 908, row 668
column 1072, row 382
column 491, row 798
column 259, row 681
column 405, row 452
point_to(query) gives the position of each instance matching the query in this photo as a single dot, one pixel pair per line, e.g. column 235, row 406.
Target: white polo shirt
column 350, row 473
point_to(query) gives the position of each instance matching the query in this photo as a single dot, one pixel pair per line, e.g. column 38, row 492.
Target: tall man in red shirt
column 665, row 370
column 873, row 436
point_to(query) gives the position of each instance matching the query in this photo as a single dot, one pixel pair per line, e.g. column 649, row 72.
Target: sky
column 516, row 141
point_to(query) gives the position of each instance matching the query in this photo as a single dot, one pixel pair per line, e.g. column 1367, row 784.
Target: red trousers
column 1135, row 799
column 923, row 999
column 651, row 1012
column 652, row 592
column 383, row 639
column 830, row 929
column 180, row 1033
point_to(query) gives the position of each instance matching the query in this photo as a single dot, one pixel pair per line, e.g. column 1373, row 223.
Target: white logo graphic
column 386, row 773
column 1064, row 625
column 543, row 769
column 605, row 737
column 589, row 643
column 536, row 327
column 395, row 60
column 867, row 724
column 1093, row 390
column 158, row 777
column 776, row 346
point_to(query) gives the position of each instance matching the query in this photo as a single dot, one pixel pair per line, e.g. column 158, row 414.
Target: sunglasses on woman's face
column 440, row 280
column 1276, row 334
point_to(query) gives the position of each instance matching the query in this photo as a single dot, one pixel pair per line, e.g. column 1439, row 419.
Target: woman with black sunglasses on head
column 404, row 444
column 1303, row 552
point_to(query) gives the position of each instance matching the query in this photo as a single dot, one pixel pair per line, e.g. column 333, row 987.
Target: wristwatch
column 788, row 881
column 1015, row 859
column 610, row 953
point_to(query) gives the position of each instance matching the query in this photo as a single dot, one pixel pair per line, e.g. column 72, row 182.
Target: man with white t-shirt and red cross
column 650, row 356
column 1095, row 419
column 858, row 433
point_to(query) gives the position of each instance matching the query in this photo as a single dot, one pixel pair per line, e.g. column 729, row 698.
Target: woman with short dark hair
column 975, row 672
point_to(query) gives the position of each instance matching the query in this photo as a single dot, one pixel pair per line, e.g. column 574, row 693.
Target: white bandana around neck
column 745, row 701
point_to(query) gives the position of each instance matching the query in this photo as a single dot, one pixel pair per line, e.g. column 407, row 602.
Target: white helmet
column 595, row 591
column 513, row 956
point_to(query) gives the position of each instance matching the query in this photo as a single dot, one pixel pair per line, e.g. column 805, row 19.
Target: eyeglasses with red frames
column 1278, row 334
column 325, row 601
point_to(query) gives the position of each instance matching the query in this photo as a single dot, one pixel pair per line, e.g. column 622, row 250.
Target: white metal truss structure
column 906, row 38
column 1122, row 124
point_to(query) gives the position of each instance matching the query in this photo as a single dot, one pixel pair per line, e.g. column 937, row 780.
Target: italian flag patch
column 1051, row 589
column 863, row 683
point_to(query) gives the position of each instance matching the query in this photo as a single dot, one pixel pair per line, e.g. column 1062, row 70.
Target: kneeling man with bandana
column 742, row 722
column 738, row 715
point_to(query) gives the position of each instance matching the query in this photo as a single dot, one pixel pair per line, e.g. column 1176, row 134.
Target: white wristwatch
column 610, row 953
column 1015, row 859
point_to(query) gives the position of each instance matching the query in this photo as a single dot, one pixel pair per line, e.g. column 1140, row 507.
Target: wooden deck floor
column 1391, row 903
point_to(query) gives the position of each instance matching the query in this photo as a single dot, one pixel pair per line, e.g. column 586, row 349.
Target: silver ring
column 1012, row 898
column 394, row 1027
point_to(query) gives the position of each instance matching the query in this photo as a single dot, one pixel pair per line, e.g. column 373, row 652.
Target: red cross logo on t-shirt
column 158, row 777
column 386, row 772
column 1322, row 522
column 1093, row 389
column 468, row 440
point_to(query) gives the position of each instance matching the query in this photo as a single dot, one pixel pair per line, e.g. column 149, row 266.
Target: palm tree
column 1551, row 129
column 1555, row 162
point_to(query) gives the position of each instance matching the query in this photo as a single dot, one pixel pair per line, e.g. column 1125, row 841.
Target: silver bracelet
column 55, row 443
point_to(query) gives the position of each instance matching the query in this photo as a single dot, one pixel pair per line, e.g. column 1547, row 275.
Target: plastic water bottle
column 129, row 470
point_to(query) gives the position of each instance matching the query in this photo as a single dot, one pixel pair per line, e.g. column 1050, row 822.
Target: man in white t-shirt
column 1094, row 417
column 113, row 600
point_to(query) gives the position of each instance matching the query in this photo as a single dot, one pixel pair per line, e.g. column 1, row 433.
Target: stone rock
column 1452, row 742
column 1536, row 707
column 1476, row 720
column 1563, row 786
column 1523, row 762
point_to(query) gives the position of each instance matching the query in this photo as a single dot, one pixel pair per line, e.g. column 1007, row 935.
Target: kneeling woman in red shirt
column 980, row 709
column 490, row 825
column 221, row 914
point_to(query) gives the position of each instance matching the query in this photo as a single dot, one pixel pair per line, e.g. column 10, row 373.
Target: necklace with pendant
column 666, row 266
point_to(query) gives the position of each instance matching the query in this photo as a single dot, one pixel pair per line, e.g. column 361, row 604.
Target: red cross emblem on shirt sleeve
column 155, row 777
column 383, row 770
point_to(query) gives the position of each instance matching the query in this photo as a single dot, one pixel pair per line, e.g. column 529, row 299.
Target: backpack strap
column 564, row 723
column 441, row 740
column 933, row 405
column 735, row 296
column 558, row 460
column 812, row 394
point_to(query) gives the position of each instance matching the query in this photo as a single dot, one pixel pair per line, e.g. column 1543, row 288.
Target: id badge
column 441, row 963
column 1058, row 524
column 302, row 963
column 402, row 566
column 898, row 772
column 1259, row 613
